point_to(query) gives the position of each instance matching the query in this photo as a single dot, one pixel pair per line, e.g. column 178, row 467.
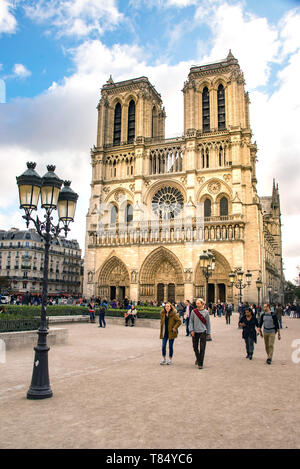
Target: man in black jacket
column 271, row 328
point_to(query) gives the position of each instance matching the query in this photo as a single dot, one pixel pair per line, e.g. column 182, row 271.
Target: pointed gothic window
column 154, row 122
column 207, row 157
column 128, row 213
column 223, row 207
column 113, row 215
column 220, row 156
column 205, row 110
column 131, row 122
column 117, row 124
column 221, row 107
column 207, row 208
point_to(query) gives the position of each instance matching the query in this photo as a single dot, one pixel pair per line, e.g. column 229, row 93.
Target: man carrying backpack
column 271, row 328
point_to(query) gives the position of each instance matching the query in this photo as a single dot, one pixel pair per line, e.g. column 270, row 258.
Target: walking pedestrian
column 279, row 313
column 200, row 331
column 169, row 324
column 186, row 317
column 249, row 323
column 91, row 307
column 228, row 313
column 271, row 327
column 102, row 312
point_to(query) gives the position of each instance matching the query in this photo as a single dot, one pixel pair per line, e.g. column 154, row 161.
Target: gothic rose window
column 167, row 203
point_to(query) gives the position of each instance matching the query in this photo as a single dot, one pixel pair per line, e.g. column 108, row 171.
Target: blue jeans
column 164, row 346
column 249, row 345
column 102, row 320
column 187, row 322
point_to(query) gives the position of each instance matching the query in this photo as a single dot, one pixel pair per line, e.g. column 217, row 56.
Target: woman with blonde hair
column 169, row 324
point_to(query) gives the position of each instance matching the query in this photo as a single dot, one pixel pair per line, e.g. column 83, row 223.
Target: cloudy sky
column 55, row 55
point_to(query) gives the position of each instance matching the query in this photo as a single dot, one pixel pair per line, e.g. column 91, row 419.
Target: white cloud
column 252, row 39
column 8, row 23
column 290, row 27
column 75, row 17
column 20, row 71
column 163, row 3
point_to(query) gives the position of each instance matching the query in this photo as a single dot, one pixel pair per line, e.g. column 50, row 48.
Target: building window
column 154, row 122
column 167, row 203
column 207, row 157
column 207, row 208
column 113, row 215
column 205, row 110
column 221, row 107
column 128, row 213
column 131, row 122
column 223, row 207
column 220, row 156
column 117, row 124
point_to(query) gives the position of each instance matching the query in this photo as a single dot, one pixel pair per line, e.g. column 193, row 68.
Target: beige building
column 157, row 203
column 22, row 263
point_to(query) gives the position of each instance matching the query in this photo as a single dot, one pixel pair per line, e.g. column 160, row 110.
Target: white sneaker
column 169, row 361
column 163, row 361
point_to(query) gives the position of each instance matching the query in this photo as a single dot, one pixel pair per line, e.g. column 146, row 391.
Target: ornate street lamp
column 236, row 279
column 270, row 288
column 258, row 286
column 207, row 265
column 31, row 188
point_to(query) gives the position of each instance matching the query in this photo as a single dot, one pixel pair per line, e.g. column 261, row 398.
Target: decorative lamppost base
column 40, row 384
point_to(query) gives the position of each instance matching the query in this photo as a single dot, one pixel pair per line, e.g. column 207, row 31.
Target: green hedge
column 17, row 312
column 11, row 324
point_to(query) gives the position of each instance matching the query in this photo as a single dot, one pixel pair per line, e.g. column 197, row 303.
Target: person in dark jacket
column 102, row 311
column 169, row 324
column 228, row 313
column 249, row 323
column 271, row 327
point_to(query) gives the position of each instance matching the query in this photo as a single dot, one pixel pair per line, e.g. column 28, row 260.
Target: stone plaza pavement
column 109, row 391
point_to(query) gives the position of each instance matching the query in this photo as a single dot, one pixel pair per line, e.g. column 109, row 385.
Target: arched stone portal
column 218, row 283
column 113, row 282
column 161, row 277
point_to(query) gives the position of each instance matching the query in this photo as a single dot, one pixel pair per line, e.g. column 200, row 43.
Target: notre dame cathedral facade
column 156, row 204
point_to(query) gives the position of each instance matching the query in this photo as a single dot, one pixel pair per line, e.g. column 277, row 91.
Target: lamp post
column 258, row 286
column 270, row 288
column 48, row 188
column 236, row 279
column 207, row 265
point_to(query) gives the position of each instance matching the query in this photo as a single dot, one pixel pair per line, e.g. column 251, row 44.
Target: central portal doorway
column 211, row 293
column 160, row 293
column 113, row 293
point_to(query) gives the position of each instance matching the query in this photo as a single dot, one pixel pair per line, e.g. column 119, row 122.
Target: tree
column 4, row 285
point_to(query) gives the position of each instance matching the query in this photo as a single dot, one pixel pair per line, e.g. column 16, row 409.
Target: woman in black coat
column 249, row 323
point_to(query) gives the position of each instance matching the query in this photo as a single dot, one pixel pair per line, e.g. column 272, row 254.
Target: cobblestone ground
column 109, row 391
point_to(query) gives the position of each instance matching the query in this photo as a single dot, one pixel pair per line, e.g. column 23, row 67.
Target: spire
column 275, row 195
column 229, row 56
column 110, row 81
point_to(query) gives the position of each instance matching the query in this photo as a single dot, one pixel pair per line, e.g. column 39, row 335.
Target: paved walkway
column 109, row 391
